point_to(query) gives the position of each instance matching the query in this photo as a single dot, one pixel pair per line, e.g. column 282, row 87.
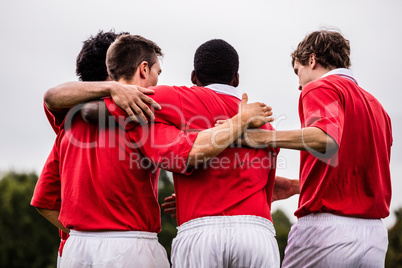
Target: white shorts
column 226, row 241
column 113, row 249
column 58, row 259
column 327, row 240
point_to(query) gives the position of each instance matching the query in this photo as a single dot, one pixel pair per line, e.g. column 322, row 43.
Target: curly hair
column 127, row 53
column 91, row 64
column 331, row 49
column 216, row 61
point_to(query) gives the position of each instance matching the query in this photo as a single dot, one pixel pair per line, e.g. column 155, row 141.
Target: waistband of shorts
column 115, row 234
column 216, row 222
column 328, row 218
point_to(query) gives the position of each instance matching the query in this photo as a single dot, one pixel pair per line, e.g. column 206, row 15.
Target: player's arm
column 211, row 142
column 47, row 194
column 323, row 118
column 53, row 217
column 284, row 188
column 178, row 151
column 131, row 99
column 94, row 111
column 305, row 139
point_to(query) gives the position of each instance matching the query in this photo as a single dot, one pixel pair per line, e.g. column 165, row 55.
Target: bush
column 26, row 238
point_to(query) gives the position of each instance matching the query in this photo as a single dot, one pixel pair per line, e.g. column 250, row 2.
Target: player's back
column 356, row 182
column 103, row 188
column 238, row 181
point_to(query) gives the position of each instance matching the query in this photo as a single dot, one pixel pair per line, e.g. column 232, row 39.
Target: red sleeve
column 169, row 99
column 55, row 118
column 166, row 146
column 47, row 192
column 162, row 141
column 119, row 114
column 322, row 108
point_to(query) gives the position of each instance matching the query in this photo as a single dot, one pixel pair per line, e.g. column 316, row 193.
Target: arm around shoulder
column 94, row 112
column 305, row 139
column 69, row 94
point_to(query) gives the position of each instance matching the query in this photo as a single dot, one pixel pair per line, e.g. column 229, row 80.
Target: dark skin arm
column 169, row 205
column 53, row 217
column 94, row 111
column 284, row 188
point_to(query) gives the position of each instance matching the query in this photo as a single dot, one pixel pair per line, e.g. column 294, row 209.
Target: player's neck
column 133, row 81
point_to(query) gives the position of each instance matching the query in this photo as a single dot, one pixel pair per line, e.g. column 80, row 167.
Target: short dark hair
column 331, row 49
column 126, row 54
column 91, row 64
column 216, row 61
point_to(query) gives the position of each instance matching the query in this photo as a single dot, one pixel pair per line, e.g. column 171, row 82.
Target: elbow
column 332, row 146
column 89, row 113
column 322, row 142
column 191, row 159
column 327, row 146
column 49, row 99
column 197, row 156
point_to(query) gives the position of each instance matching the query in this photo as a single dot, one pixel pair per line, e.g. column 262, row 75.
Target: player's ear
column 144, row 69
column 235, row 81
column 312, row 61
column 193, row 78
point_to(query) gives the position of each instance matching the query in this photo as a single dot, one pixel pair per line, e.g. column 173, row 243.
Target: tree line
column 29, row 240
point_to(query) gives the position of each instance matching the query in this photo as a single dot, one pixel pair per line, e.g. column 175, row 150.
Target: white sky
column 41, row 39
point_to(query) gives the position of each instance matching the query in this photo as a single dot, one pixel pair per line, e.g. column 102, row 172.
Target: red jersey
column 55, row 118
column 100, row 187
column 47, row 190
column 47, row 193
column 239, row 181
column 356, row 181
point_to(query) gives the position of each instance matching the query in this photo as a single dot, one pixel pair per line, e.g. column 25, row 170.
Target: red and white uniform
column 356, row 181
column 47, row 193
column 102, row 191
column 237, row 182
column 100, row 188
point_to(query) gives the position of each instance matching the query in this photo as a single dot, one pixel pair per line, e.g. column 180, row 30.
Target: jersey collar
column 225, row 89
column 342, row 72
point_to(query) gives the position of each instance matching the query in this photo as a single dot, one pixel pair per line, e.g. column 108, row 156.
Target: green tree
column 282, row 226
column 169, row 224
column 26, row 238
column 394, row 253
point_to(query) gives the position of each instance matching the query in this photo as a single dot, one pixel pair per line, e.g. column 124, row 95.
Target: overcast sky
column 41, row 39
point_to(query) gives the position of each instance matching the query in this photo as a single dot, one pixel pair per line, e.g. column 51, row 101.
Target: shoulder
column 170, row 99
column 165, row 93
column 316, row 84
column 322, row 86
